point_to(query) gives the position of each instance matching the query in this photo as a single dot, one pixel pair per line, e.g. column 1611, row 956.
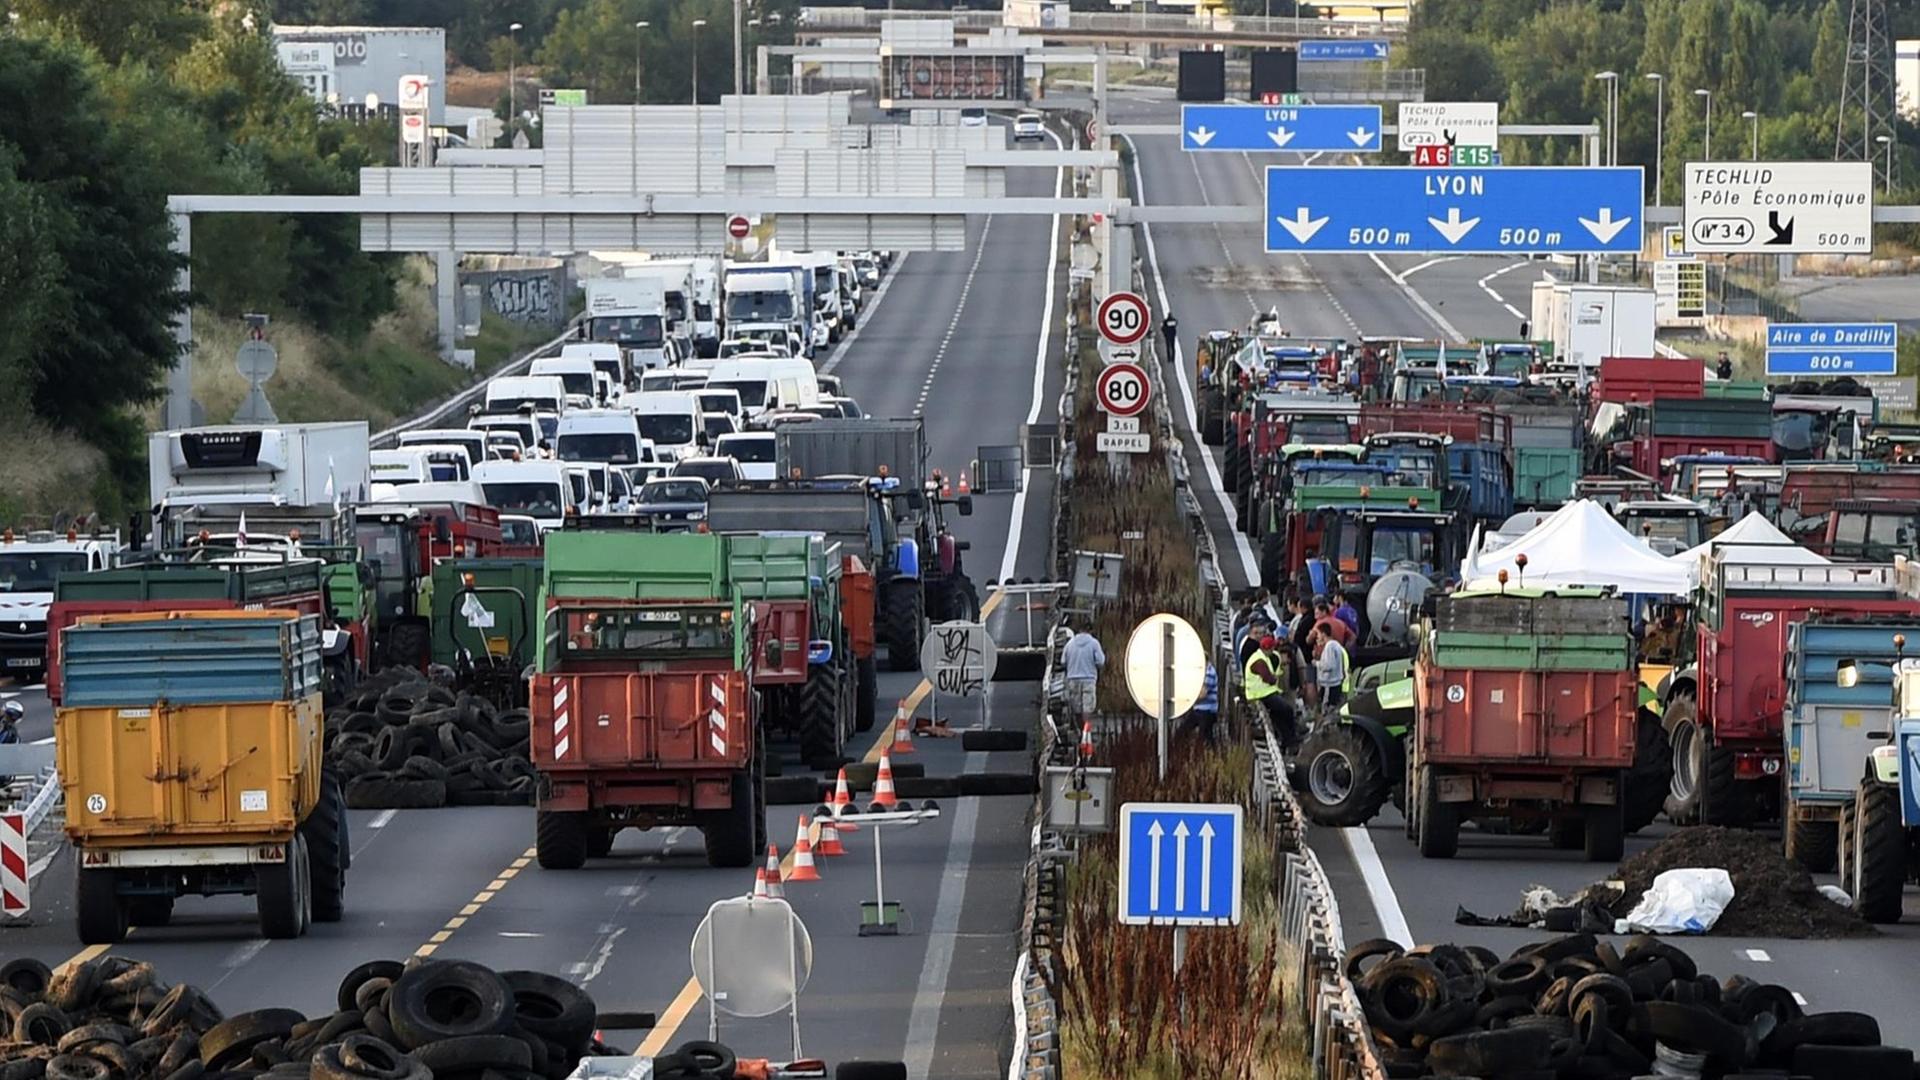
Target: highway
column 969, row 339
column 1218, row 277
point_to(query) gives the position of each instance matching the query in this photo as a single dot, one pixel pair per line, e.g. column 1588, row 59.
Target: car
column 753, row 451
column 973, row 118
column 673, row 500
column 1029, row 126
column 715, row 424
column 711, row 469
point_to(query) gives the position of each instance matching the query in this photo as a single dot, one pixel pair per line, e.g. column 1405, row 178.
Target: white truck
column 760, row 296
column 631, row 313
column 1589, row 322
column 281, row 476
column 676, row 284
column 28, row 567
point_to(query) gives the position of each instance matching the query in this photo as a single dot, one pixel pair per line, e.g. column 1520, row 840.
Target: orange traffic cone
column 883, row 785
column 1086, row 740
column 803, row 868
column 902, row 733
column 774, row 891
column 946, row 488
column 830, row 840
column 842, row 802
column 964, row 489
column 760, row 883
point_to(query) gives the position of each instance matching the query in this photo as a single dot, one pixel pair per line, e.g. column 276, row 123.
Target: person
column 1200, row 719
column 1661, row 642
column 1084, row 658
column 1329, row 667
column 1257, row 628
column 1723, row 367
column 12, row 713
column 1170, row 329
column 1261, row 683
column 1323, row 616
column 1345, row 613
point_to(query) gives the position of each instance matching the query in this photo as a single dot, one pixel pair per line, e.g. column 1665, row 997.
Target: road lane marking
column 873, row 305
column 1405, row 274
column 1758, row 956
column 1501, row 300
column 43, row 742
column 1432, row 313
column 381, row 819
column 670, row 1021
column 243, row 954
column 953, row 325
column 91, row 952
column 455, row 922
column 923, row 1021
column 1373, row 874
column 1798, row 998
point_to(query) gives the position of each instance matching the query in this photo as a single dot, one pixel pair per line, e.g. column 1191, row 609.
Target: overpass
column 1083, row 27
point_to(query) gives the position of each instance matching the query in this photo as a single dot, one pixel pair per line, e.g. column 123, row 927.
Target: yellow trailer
column 189, row 749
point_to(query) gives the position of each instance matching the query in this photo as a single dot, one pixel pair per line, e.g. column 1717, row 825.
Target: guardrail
column 46, row 795
column 456, row 405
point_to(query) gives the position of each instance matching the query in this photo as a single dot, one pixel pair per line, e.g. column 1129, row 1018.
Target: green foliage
column 592, row 43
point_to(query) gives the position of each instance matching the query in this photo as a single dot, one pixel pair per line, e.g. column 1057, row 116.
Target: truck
column 758, row 293
column 1722, row 706
column 806, row 669
column 30, row 565
column 1547, row 458
column 197, row 770
column 483, row 623
column 1585, row 323
column 1528, row 725
column 676, row 284
column 281, row 477
column 1648, row 436
column 675, row 670
column 631, row 313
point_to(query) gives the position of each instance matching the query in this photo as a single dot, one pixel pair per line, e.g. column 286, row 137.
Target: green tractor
column 1347, row 769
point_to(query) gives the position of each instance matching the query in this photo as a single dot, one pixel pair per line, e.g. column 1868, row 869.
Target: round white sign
column 1148, row 661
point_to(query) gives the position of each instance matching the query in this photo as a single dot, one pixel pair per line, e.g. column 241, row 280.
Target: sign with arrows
column 1349, row 49
column 1180, row 864
column 1448, row 123
column 1458, row 211
column 1344, row 129
column 1779, row 207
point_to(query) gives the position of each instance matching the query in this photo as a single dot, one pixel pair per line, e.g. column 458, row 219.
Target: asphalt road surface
column 1219, row 277
column 971, row 340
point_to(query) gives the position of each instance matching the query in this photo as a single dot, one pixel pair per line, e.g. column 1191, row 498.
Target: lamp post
column 1659, row 135
column 1753, row 118
column 1887, row 141
column 513, row 94
column 1707, row 95
column 638, row 28
column 1612, row 79
column 697, row 24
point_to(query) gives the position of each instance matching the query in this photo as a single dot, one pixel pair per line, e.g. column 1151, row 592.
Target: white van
column 580, row 482
column 538, row 489
column 445, row 461
column 670, row 419
column 474, row 441
column 753, row 450
column 611, row 436
column 715, row 400
column 440, row 493
column 606, row 357
column 544, row 393
column 578, row 374
column 763, row 384
column 400, row 467
column 520, row 425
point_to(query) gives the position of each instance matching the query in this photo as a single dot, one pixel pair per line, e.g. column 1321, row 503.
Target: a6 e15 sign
column 1123, row 318
column 1122, row 389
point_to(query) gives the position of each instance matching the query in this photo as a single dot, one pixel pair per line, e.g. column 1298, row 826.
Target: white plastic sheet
column 1685, row 901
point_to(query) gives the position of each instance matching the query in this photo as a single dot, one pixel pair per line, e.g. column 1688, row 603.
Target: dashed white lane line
column 381, row 819
column 1501, row 300
column 959, row 310
column 1758, row 956
column 1405, row 274
column 866, row 316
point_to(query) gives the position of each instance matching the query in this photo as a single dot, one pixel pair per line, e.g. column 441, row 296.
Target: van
column 521, row 425
column 440, row 493
column 580, row 482
column 538, row 489
column 445, row 461
column 763, row 384
column 671, row 419
column 582, row 379
column 474, row 441
column 399, row 467
column 611, row 436
column 543, row 393
column 753, row 450
column 605, row 356
column 717, row 400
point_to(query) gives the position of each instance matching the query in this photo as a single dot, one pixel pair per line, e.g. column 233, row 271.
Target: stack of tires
column 1576, row 1006
column 403, row 743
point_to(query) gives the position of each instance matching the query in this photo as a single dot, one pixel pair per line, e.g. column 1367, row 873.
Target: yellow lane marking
column 670, row 1022
column 883, row 737
column 479, row 900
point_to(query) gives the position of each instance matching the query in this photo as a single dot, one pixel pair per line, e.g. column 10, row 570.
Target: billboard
column 953, row 78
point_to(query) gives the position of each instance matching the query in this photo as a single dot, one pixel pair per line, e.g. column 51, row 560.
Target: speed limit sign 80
column 1122, row 389
column 1123, row 318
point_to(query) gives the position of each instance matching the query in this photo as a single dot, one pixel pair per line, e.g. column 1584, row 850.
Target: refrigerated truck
column 1587, row 322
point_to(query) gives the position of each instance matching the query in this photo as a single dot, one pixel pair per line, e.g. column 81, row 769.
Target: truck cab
column 607, row 359
column 1667, row 525
column 632, row 314
column 30, row 564
column 586, row 386
column 1872, row 530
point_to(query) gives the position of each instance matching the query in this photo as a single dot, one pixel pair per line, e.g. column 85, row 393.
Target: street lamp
column 697, row 24
column 1659, row 134
column 513, row 56
column 637, row 30
column 1612, row 79
column 1887, row 141
column 1707, row 155
column 1754, row 118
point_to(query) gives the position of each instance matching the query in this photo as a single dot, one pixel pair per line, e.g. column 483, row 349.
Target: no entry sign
column 738, row 227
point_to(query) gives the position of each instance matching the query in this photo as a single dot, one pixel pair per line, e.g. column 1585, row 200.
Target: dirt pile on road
column 1772, row 895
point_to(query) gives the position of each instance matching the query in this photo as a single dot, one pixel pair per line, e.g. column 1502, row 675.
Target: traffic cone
column 803, row 868
column 1086, row 740
column 774, row 891
column 842, row 803
column 964, row 489
column 883, row 796
column 760, row 883
column 946, row 488
column 902, row 735
column 830, row 844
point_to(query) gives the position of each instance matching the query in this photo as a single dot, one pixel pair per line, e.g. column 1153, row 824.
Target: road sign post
column 1345, row 129
column 1832, row 349
column 1779, row 207
column 1538, row 210
column 1166, row 671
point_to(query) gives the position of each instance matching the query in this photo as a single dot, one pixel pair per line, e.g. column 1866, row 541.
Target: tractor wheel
column 1343, row 785
column 561, row 838
column 1230, row 470
column 409, row 644
column 902, row 622
column 1814, row 844
column 819, row 721
column 1651, row 777
column 325, row 830
column 1688, row 743
column 866, row 693
column 1879, row 853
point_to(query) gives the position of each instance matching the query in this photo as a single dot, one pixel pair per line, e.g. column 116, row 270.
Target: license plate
column 23, row 661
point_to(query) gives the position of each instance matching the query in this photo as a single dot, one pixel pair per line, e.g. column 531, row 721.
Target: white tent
column 1752, row 539
column 1581, row 544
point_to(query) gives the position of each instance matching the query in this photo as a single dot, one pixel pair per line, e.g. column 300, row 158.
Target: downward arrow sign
column 1605, row 229
column 1200, row 135
column 1280, row 136
column 1453, row 228
column 1360, row 136
column 1301, row 225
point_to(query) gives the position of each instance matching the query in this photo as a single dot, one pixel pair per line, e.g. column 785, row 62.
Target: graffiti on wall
column 528, row 297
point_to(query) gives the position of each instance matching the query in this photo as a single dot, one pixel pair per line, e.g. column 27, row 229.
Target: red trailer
column 1461, row 421
column 1645, row 378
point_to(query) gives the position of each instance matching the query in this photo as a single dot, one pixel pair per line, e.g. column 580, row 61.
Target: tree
column 117, row 28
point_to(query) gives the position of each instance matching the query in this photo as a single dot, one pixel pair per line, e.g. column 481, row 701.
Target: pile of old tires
column 113, row 1019
column 1579, row 1007
column 401, row 742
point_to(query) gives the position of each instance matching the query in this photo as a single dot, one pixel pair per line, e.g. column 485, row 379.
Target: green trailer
column 483, row 624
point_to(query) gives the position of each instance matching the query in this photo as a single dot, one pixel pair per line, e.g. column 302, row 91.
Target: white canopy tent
column 1752, row 539
column 1581, row 544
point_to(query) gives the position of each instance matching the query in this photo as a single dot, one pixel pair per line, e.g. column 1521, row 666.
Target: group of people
column 1303, row 656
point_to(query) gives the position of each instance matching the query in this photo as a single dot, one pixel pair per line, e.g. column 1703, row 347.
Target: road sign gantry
column 1545, row 210
column 1274, row 128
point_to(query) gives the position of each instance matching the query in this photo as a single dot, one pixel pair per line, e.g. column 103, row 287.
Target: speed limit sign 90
column 1122, row 389
column 1123, row 318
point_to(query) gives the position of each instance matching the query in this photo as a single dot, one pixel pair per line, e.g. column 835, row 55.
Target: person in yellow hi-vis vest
column 1261, row 683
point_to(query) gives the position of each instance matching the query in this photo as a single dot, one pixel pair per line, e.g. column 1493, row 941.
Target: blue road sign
column 1344, row 49
column 1910, row 773
column 1832, row 348
column 1346, row 129
column 1180, row 864
column 1459, row 211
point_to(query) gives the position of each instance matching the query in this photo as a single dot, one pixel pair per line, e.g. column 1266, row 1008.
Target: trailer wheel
column 600, row 843
column 818, row 723
column 1438, row 823
column 1879, row 853
column 1686, row 742
column 1651, row 777
column 278, row 896
column 98, row 910
column 325, row 833
column 1814, row 844
column 1230, row 475
column 866, row 693
column 902, row 622
column 1213, row 416
column 1606, row 833
column 1344, row 785
column 730, row 832
column 1567, row 833
column 561, row 838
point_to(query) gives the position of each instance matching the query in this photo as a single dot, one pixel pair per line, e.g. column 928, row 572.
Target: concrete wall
column 529, row 291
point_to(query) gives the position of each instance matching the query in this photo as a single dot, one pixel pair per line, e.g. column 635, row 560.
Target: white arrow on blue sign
column 1832, row 348
column 1347, row 129
column 1344, row 49
column 1372, row 208
column 1180, row 864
